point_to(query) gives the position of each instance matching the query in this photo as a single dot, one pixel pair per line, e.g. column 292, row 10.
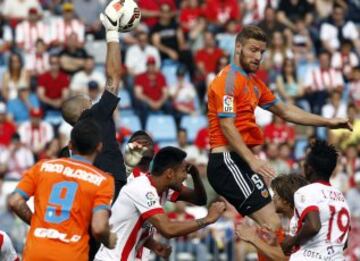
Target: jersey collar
column 237, row 68
column 80, row 158
column 324, row 182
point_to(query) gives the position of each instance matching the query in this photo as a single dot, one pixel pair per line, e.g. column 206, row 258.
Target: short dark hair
column 322, row 158
column 85, row 136
column 140, row 133
column 251, row 32
column 286, row 185
column 167, row 157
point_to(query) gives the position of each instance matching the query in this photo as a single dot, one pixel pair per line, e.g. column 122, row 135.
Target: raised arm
column 296, row 115
column 169, row 228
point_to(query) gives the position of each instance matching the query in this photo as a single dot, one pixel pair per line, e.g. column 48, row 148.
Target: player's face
column 180, row 174
column 250, row 54
column 281, row 207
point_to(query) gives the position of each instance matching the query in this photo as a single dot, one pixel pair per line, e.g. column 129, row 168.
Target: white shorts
column 317, row 255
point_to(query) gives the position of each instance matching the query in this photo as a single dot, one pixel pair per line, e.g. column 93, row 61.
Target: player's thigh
column 266, row 216
column 232, row 178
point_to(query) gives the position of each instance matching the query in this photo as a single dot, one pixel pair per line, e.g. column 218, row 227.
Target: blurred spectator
column 63, row 27
column 342, row 137
column 94, row 91
column 353, row 196
column 88, row 12
column 37, row 62
column 17, row 10
column 285, row 154
column 64, row 133
column 345, row 59
column 277, row 52
column 335, row 107
column 290, row 10
column 350, row 162
column 80, row 81
column 51, row 150
column 354, row 10
column 221, row 63
column 288, row 86
column 279, row 165
column 53, row 86
column 255, row 10
column 185, row 243
column 150, row 91
column 279, row 131
column 324, row 8
column 7, row 128
column 226, row 39
column 191, row 19
column 183, row 96
column 191, row 150
column 219, row 12
column 137, row 54
column 301, row 43
column 36, row 133
column 72, row 57
column 20, row 107
column 16, row 159
column 150, row 10
column 6, row 39
column 354, row 86
column 13, row 226
column 337, row 29
column 202, row 139
column 269, row 23
column 14, row 77
column 168, row 37
column 319, row 81
column 30, row 30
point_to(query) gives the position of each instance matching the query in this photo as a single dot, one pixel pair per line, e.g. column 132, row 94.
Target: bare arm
column 112, row 67
column 197, row 195
column 310, row 227
column 282, row 18
column 20, row 207
column 101, row 230
column 156, row 40
column 169, row 228
column 296, row 115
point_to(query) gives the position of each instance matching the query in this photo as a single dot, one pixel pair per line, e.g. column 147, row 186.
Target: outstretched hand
column 340, row 123
column 133, row 153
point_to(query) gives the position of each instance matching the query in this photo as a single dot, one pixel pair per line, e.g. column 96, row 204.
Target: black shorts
column 232, row 178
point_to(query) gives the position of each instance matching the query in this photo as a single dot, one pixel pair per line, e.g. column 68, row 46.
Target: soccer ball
column 130, row 17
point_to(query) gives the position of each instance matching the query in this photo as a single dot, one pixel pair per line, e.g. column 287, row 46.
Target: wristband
column 112, row 36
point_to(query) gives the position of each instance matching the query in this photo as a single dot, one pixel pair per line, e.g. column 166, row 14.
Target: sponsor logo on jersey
column 228, row 103
column 265, row 193
column 55, row 234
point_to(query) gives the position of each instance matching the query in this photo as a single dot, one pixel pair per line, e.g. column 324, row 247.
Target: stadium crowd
column 52, row 49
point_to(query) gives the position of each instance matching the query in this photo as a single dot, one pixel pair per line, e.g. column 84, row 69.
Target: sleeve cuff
column 151, row 213
column 22, row 193
column 226, row 115
column 101, row 207
column 270, row 104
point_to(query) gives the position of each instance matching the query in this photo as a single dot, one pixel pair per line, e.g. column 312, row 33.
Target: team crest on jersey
column 150, row 199
column 265, row 193
column 228, row 103
column 302, row 199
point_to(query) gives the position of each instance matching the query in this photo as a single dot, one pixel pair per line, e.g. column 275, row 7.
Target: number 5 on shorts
column 60, row 202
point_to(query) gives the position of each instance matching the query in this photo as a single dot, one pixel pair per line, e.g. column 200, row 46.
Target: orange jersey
column 234, row 93
column 66, row 193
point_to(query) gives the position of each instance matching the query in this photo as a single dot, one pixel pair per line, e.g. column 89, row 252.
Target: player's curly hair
column 286, row 185
column 322, row 158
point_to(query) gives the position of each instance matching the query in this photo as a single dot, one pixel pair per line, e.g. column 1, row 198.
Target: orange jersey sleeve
column 266, row 97
column 27, row 185
column 104, row 195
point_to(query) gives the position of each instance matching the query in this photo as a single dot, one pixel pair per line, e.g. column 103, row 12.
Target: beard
column 249, row 68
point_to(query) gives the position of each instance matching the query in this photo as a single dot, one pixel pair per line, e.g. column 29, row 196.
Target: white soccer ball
column 130, row 17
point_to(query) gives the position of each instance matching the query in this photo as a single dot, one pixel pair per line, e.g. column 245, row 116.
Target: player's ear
column 170, row 173
column 99, row 147
column 238, row 47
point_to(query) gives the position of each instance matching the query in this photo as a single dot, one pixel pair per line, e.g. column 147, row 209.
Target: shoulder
column 306, row 189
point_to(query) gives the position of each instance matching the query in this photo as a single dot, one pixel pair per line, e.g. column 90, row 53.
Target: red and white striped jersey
column 36, row 138
column 138, row 200
column 7, row 250
column 26, row 35
column 320, row 80
column 37, row 63
column 328, row 243
column 60, row 30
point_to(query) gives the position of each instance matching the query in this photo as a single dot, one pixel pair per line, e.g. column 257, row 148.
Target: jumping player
column 69, row 195
column 138, row 208
column 266, row 241
column 233, row 170
column 322, row 215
